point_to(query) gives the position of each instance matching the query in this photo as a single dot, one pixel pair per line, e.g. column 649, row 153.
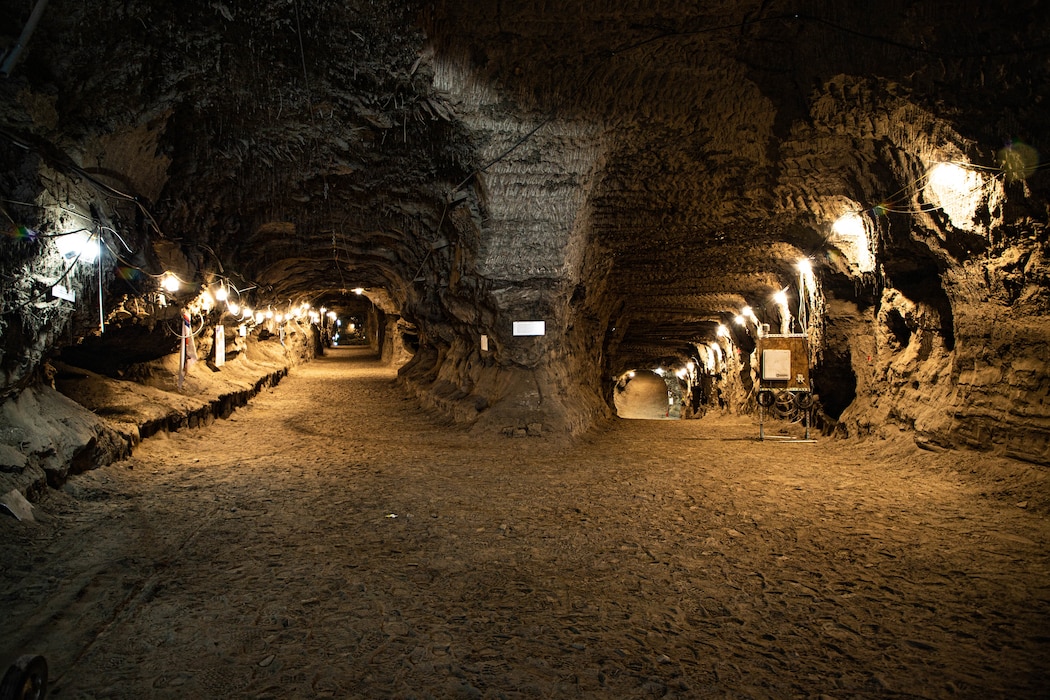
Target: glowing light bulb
column 279, row 318
column 207, row 301
column 359, row 291
column 269, row 313
column 781, row 297
column 722, row 331
column 805, row 266
column 958, row 191
column 260, row 317
column 740, row 320
column 849, row 225
column 949, row 177
column 170, row 282
column 81, row 243
column 247, row 312
column 233, row 307
column 659, row 371
column 221, row 294
column 690, row 366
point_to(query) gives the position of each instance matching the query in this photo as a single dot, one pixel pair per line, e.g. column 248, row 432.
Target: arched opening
column 647, row 395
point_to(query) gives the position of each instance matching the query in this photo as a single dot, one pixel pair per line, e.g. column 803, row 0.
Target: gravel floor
column 330, row 541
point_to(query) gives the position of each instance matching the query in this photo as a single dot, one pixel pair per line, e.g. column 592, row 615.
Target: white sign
column 776, row 365
column 530, row 328
column 62, row 292
column 484, row 343
column 220, row 346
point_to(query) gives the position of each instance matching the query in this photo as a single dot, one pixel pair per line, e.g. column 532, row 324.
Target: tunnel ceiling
column 696, row 149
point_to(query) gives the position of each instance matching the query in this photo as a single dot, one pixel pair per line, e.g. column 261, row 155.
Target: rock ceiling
column 636, row 171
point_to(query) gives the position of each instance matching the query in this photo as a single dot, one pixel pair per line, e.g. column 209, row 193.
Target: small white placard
column 242, row 330
column 62, row 292
column 530, row 328
column 776, row 364
column 220, row 346
column 485, row 343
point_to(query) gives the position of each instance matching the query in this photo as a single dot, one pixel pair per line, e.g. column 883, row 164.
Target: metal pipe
column 27, row 31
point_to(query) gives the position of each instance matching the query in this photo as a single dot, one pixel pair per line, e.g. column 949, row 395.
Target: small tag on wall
column 220, row 346
column 530, row 328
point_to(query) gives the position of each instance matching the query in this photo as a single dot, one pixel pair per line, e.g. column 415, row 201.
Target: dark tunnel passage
column 584, row 253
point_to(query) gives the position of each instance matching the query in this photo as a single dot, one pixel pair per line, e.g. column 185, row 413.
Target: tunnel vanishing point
column 520, row 203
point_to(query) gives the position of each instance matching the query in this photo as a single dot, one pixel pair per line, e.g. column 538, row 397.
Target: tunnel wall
column 984, row 385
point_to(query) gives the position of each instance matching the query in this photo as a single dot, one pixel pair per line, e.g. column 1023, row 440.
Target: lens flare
column 1018, row 160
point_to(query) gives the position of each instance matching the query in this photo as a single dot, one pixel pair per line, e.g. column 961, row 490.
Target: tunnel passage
column 651, row 186
column 645, row 395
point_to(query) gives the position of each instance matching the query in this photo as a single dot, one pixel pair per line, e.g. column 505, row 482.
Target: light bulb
column 170, row 282
column 81, row 243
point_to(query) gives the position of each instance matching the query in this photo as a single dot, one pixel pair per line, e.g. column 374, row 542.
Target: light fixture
column 233, row 307
column 169, row 282
column 659, row 371
column 221, row 294
column 207, row 300
column 247, row 312
column 359, row 291
column 740, row 320
column 749, row 313
column 80, row 244
column 269, row 313
column 260, row 317
column 690, row 366
column 805, row 266
column 957, row 190
column 781, row 300
column 849, row 225
column 722, row 331
column 851, row 233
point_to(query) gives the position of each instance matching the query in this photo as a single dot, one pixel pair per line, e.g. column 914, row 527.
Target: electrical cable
column 101, row 307
column 119, row 238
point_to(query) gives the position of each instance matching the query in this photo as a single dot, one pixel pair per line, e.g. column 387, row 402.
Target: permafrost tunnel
column 546, row 215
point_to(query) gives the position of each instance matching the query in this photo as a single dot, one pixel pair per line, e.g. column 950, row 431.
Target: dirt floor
column 331, row 541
